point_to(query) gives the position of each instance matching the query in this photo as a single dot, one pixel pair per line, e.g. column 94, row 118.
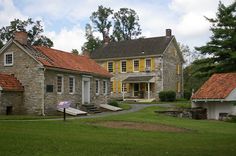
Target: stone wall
column 11, row 99
column 53, row 98
column 30, row 74
column 170, row 76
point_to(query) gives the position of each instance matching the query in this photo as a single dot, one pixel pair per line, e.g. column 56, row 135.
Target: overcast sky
column 64, row 20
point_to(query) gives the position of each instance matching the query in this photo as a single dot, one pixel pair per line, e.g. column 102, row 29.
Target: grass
column 77, row 137
column 26, row 117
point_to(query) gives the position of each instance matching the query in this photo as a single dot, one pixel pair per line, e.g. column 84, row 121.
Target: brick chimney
column 21, row 37
column 168, row 33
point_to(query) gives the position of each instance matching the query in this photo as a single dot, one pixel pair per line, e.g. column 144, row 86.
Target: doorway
column 86, row 91
column 9, row 110
column 136, row 89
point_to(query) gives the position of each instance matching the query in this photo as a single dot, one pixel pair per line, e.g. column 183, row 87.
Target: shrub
column 113, row 103
column 187, row 95
column 167, row 96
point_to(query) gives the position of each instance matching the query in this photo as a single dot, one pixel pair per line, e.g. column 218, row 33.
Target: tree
column 33, row 28
column 126, row 26
column 75, row 51
column 92, row 42
column 100, row 20
column 188, row 54
column 222, row 47
column 1, row 44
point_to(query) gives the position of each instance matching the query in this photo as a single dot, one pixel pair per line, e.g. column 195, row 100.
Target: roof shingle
column 132, row 48
column 69, row 61
column 218, row 86
column 10, row 83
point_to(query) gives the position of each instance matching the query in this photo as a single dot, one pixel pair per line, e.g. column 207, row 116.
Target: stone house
column 141, row 68
column 41, row 77
column 217, row 95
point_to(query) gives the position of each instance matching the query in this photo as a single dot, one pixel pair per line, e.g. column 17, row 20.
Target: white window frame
column 104, row 89
column 112, row 66
column 97, row 86
column 138, row 65
column 5, row 57
column 62, row 84
column 125, row 66
column 123, row 88
column 73, row 87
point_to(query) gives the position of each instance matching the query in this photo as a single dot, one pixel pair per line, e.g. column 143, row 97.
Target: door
column 85, row 90
column 136, row 89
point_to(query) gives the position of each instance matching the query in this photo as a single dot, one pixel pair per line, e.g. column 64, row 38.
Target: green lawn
column 78, row 137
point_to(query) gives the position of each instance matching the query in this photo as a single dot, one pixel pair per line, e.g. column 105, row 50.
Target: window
column 71, row 84
column 148, row 64
column 110, row 67
column 124, row 87
column 123, row 66
column 104, row 87
column 97, row 86
column 49, row 88
column 59, row 84
column 136, row 65
column 8, row 59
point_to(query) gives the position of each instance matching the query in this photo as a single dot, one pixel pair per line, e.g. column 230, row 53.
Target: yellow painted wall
column 129, row 65
column 152, row 64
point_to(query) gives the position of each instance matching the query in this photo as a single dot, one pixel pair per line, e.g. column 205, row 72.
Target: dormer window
column 8, row 59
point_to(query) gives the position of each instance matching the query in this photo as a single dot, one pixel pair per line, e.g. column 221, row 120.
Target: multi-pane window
column 71, row 84
column 8, row 59
column 97, row 86
column 110, row 67
column 136, row 65
column 59, row 84
column 104, row 87
column 123, row 66
column 124, row 87
column 148, row 64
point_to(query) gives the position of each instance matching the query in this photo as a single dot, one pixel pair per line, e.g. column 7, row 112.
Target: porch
column 141, row 87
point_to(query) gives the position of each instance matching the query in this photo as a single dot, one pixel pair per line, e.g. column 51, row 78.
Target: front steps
column 92, row 109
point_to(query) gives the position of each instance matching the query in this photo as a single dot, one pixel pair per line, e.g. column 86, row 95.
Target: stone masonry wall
column 53, row 98
column 30, row 74
column 14, row 99
column 170, row 76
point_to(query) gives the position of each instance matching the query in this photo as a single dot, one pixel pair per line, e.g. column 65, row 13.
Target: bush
column 187, row 95
column 167, row 96
column 113, row 103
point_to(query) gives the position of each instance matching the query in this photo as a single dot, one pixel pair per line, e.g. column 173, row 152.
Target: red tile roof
column 218, row 86
column 69, row 61
column 10, row 83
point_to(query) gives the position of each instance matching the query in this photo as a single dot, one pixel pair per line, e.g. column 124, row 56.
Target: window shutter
column 127, row 85
column 118, row 66
column 119, row 86
column 152, row 64
column 114, row 86
column 141, row 65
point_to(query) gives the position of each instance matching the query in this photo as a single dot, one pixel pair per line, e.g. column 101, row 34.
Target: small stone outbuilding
column 217, row 95
column 48, row 76
column 11, row 95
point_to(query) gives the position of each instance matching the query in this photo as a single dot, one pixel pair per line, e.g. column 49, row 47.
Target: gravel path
column 134, row 108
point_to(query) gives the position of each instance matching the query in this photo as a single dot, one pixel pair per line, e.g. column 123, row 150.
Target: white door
column 85, row 90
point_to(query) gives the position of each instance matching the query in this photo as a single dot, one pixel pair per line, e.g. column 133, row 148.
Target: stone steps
column 91, row 109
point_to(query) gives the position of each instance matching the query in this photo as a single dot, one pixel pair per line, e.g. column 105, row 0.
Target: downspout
column 43, row 92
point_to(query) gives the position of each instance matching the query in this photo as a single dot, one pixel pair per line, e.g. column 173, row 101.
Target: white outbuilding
column 217, row 95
